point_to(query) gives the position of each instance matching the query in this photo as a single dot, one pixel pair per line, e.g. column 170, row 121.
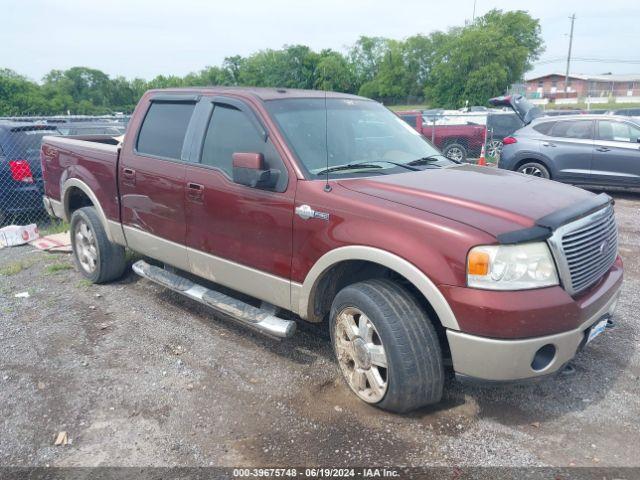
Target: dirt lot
column 138, row 375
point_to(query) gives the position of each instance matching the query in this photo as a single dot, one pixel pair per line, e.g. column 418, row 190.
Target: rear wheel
column 386, row 346
column 535, row 169
column 97, row 258
column 494, row 148
column 455, row 151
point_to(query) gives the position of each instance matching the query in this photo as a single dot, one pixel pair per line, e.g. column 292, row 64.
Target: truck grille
column 586, row 249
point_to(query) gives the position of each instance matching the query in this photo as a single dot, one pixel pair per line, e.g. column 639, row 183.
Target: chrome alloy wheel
column 361, row 355
column 532, row 170
column 494, row 148
column 455, row 153
column 85, row 245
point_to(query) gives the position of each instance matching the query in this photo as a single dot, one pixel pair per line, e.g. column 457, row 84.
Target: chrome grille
column 586, row 249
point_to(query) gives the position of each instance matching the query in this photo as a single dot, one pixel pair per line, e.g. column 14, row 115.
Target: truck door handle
column 195, row 192
column 128, row 176
column 603, row 149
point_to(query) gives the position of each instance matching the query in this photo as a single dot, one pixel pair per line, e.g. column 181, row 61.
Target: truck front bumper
column 498, row 360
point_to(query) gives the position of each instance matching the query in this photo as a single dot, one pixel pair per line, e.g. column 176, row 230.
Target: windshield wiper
column 367, row 164
column 428, row 159
column 348, row 166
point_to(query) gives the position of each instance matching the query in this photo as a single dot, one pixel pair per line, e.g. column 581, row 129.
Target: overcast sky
column 145, row 38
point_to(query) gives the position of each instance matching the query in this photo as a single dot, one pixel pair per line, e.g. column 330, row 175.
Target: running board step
column 258, row 319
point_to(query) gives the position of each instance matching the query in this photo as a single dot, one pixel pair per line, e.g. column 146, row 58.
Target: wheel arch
column 75, row 190
column 369, row 258
column 535, row 159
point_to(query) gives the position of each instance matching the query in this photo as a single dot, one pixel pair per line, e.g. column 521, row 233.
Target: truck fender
column 301, row 294
column 112, row 229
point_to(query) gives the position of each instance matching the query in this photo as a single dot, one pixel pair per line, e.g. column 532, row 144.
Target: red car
column 457, row 142
column 328, row 208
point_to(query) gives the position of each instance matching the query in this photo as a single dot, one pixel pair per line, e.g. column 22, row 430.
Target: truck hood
column 489, row 199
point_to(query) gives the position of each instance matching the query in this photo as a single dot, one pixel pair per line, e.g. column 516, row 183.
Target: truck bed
column 91, row 159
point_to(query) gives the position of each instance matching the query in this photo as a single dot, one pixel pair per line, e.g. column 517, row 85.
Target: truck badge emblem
column 306, row 212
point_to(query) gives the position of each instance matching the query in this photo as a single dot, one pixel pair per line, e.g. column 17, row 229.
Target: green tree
column 480, row 61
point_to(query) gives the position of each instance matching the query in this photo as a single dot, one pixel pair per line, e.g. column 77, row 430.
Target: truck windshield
column 361, row 137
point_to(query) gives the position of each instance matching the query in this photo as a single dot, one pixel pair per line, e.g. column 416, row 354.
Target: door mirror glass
column 248, row 169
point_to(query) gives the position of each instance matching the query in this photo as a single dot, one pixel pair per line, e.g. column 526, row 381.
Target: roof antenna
column 327, row 186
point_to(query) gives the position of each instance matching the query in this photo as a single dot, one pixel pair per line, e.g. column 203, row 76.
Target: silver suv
column 587, row 150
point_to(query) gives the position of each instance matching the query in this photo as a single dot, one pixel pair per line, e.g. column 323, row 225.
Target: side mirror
column 248, row 169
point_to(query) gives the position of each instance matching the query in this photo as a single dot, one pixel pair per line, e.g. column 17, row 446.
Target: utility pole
column 566, row 77
column 474, row 12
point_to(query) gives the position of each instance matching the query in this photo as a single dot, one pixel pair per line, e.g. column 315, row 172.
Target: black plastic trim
column 544, row 227
column 574, row 212
column 531, row 234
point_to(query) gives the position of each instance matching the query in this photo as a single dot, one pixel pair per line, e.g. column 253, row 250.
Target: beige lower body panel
column 503, row 360
column 53, row 207
column 256, row 283
column 158, row 248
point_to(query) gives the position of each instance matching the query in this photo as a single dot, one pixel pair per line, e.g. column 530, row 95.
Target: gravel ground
column 139, row 376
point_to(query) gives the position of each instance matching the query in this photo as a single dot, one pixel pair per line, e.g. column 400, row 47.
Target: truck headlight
column 511, row 267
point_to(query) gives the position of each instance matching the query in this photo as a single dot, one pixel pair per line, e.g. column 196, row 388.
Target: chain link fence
column 460, row 135
column 21, row 181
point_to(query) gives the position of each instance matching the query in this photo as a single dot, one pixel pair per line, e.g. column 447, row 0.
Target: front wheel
column 386, row 346
column 534, row 169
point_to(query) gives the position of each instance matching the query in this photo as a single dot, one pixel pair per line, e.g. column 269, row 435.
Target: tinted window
column 572, row 129
column 617, row 131
column 544, row 128
column 23, row 143
column 163, row 129
column 410, row 119
column 231, row 131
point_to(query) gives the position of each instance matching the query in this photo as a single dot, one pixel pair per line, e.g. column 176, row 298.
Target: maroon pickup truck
column 457, row 142
column 276, row 206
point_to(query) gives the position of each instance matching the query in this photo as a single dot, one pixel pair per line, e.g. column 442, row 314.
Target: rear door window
column 617, row 131
column 580, row 129
column 164, row 128
column 544, row 128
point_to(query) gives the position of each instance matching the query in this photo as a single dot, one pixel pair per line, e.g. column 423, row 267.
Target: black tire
column 110, row 260
column 535, row 169
column 455, row 151
column 414, row 372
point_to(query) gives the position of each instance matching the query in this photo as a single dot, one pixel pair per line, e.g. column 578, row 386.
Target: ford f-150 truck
column 458, row 141
column 277, row 206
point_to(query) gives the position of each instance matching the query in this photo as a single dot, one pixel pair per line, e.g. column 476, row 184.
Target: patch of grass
column 84, row 283
column 14, row 268
column 57, row 267
column 54, row 227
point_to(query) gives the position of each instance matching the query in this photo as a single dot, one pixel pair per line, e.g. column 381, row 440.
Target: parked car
column 587, row 150
column 456, row 141
column 626, row 112
column 327, row 208
column 500, row 125
column 91, row 128
column 555, row 113
column 21, row 186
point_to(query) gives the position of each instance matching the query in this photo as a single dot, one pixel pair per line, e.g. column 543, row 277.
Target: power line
column 588, row 59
